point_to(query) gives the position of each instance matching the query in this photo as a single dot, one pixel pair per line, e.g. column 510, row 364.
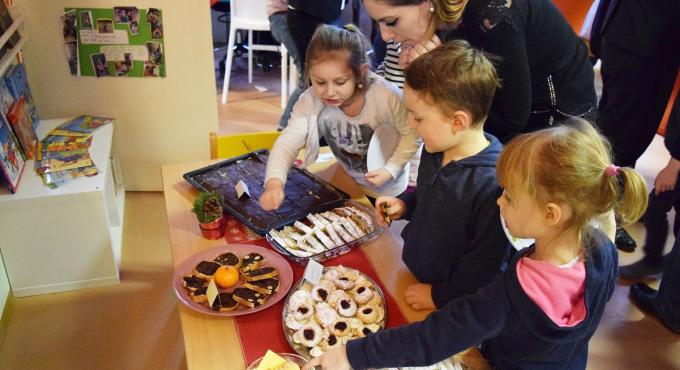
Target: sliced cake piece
column 198, row 295
column 264, row 286
column 248, row 297
column 227, row 302
column 193, row 282
column 260, row 274
column 206, row 269
column 228, row 259
column 251, row 261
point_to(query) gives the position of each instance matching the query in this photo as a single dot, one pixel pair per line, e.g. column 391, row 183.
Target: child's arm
column 409, row 141
column 463, row 323
column 285, row 150
column 488, row 248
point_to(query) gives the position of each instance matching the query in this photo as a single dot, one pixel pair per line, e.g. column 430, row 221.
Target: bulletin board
column 114, row 42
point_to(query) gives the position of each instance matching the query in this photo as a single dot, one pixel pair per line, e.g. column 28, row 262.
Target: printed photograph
column 99, row 65
column 86, row 20
column 134, row 28
column 121, row 68
column 155, row 50
column 68, row 22
column 127, row 57
column 72, row 56
column 104, row 26
column 153, row 16
column 126, row 14
column 151, row 69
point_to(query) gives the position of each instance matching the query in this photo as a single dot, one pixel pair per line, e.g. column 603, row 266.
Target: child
column 543, row 310
column 344, row 105
column 455, row 242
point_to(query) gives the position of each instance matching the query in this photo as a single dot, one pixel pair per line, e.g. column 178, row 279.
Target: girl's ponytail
column 634, row 195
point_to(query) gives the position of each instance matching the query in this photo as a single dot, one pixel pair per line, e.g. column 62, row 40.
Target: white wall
column 4, row 286
column 158, row 120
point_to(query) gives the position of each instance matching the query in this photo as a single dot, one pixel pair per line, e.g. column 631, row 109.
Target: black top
column 647, row 28
column 455, row 240
column 544, row 66
column 515, row 333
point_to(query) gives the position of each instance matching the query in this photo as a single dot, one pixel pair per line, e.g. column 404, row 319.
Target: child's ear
column 460, row 120
column 554, row 213
column 363, row 71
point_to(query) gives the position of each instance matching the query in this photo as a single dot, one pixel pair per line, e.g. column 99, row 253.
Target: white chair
column 251, row 15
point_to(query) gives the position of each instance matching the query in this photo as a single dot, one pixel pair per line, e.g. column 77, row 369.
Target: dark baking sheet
column 305, row 192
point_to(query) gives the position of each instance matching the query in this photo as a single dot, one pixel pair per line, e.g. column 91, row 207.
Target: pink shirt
column 557, row 290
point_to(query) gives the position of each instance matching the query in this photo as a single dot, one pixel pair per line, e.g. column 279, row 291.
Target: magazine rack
column 66, row 238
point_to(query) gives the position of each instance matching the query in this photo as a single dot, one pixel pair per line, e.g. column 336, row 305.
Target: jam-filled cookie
column 346, row 307
column 310, row 335
column 367, row 314
column 325, row 315
column 362, row 294
column 320, row 293
column 340, row 328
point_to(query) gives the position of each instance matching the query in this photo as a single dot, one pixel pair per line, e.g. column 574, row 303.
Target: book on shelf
column 22, row 125
column 11, row 161
column 59, row 178
column 81, row 126
column 61, row 161
column 58, row 143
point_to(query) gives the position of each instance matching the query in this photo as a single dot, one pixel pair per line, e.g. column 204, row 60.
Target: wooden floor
column 135, row 325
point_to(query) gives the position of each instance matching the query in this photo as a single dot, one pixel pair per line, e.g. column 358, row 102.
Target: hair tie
column 612, row 170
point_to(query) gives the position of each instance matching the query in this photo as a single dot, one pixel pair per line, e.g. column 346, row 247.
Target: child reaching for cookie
column 561, row 190
column 454, row 243
column 345, row 105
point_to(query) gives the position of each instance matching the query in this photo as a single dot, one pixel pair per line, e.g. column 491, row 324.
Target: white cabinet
column 67, row 238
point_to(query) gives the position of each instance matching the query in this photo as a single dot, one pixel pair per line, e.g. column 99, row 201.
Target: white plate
column 381, row 147
column 516, row 242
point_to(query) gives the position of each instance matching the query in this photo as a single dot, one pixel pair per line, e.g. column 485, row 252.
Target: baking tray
column 305, row 193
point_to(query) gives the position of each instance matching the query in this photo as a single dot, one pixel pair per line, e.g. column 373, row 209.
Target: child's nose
column 386, row 33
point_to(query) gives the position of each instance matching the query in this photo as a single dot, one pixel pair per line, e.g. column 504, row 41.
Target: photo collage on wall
column 122, row 41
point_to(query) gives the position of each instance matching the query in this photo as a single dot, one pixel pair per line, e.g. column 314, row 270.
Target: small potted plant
column 208, row 210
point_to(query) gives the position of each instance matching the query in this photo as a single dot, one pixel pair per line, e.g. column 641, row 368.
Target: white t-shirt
column 348, row 137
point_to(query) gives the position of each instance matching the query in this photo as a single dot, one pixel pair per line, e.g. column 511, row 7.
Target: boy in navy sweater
column 454, row 243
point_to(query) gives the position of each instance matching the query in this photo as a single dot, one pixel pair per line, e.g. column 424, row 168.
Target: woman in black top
column 545, row 72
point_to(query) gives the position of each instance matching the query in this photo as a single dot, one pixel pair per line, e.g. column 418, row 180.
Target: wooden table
column 212, row 342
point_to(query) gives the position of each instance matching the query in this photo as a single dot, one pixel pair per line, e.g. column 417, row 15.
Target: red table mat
column 264, row 330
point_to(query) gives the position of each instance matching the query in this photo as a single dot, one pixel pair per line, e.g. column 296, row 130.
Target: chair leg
column 284, row 76
column 250, row 56
column 227, row 69
column 293, row 80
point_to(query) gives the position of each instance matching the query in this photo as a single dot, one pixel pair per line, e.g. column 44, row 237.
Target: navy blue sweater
column 455, row 240
column 515, row 333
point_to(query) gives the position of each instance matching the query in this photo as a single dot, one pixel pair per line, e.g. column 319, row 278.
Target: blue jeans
column 668, row 297
column 279, row 29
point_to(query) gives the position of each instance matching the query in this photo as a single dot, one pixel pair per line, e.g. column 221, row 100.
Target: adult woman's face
column 408, row 24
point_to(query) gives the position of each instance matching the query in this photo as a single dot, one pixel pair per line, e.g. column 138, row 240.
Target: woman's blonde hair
column 334, row 42
column 447, row 12
column 455, row 76
column 571, row 164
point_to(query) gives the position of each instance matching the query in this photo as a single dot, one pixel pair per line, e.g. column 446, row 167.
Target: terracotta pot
column 213, row 230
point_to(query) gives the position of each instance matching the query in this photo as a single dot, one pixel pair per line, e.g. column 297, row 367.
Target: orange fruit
column 226, row 277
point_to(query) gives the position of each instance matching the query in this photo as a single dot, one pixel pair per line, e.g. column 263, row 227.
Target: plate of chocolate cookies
column 249, row 279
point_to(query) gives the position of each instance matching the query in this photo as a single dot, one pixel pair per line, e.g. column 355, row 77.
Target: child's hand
column 388, row 209
column 419, row 297
column 273, row 195
column 334, row 359
column 378, row 177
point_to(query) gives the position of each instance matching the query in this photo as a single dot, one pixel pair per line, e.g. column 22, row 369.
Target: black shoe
column 624, row 242
column 644, row 298
column 638, row 270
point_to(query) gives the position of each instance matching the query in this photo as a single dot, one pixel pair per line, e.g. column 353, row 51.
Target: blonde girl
column 561, row 190
column 345, row 105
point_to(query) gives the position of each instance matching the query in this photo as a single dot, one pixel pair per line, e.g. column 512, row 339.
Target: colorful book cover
column 81, row 126
column 60, row 143
column 11, row 162
column 61, row 161
column 5, row 96
column 23, row 128
column 59, row 178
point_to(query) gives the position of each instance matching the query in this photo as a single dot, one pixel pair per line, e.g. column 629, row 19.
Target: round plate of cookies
column 248, row 278
column 346, row 304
